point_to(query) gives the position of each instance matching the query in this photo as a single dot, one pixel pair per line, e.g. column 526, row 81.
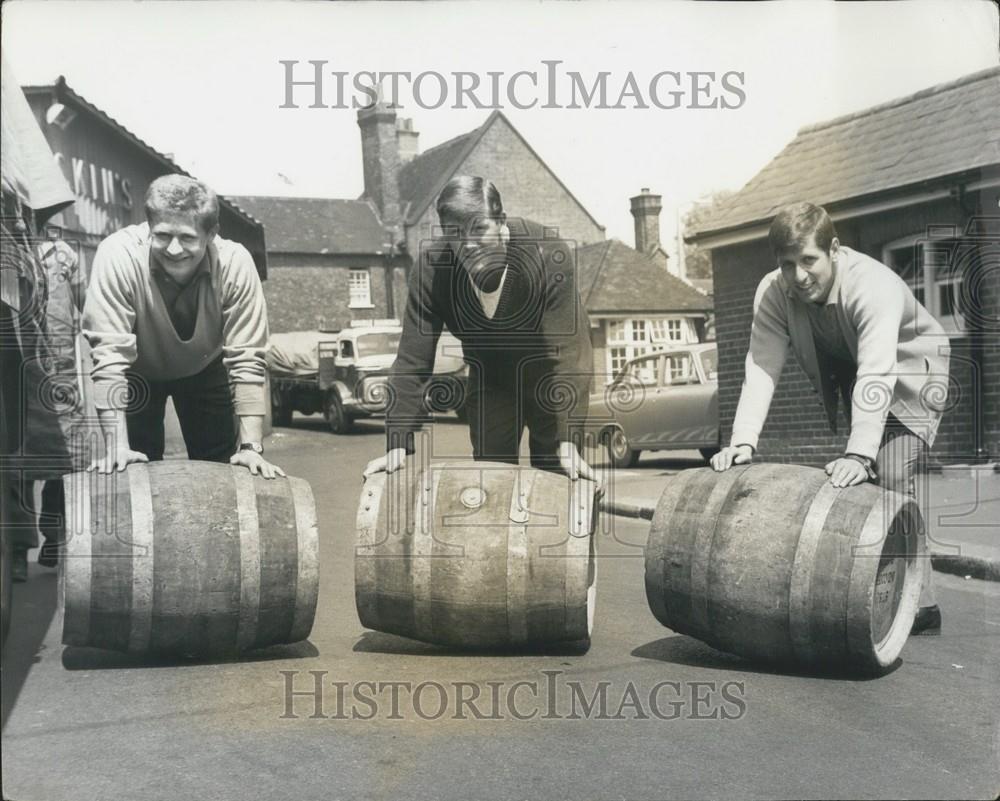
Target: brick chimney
column 645, row 208
column 380, row 157
column 407, row 139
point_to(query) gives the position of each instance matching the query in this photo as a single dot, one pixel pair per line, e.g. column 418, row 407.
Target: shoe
column 927, row 621
column 48, row 554
column 19, row 565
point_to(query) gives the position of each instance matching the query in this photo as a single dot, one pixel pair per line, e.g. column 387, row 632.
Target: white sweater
column 128, row 327
column 901, row 352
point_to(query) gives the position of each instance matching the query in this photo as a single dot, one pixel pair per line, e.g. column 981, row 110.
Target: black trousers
column 499, row 409
column 204, row 406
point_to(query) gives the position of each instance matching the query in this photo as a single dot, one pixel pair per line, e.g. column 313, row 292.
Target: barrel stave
column 188, row 558
column 763, row 561
column 753, row 547
column 279, row 560
column 490, row 566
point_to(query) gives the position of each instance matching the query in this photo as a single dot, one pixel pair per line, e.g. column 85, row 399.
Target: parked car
column 344, row 374
column 666, row 400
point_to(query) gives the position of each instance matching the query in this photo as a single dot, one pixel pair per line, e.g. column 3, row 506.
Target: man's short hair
column 179, row 194
column 465, row 196
column 794, row 225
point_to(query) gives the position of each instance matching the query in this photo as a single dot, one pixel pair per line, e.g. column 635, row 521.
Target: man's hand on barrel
column 730, row 455
column 847, row 471
column 390, row 463
column 575, row 467
column 116, row 459
column 256, row 464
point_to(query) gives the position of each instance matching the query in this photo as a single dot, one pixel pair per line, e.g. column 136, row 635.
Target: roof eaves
column 840, row 207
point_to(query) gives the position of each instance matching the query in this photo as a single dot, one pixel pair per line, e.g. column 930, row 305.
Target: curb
column 976, row 567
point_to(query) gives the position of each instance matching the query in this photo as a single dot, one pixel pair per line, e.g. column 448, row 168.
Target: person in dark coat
column 506, row 288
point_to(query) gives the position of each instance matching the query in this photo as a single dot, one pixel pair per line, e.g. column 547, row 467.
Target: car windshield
column 377, row 344
column 710, row 364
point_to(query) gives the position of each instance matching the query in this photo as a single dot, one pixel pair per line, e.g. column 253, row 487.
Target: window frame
column 934, row 276
column 365, row 301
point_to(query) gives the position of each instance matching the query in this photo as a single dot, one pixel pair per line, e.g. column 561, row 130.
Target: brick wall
column 302, row 288
column 797, row 429
column 528, row 188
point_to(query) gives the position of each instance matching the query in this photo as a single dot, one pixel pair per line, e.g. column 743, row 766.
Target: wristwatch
column 256, row 447
column 866, row 462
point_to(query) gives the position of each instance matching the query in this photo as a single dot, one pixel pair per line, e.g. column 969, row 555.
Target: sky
column 204, row 82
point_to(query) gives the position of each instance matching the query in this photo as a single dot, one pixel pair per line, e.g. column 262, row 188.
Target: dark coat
column 537, row 343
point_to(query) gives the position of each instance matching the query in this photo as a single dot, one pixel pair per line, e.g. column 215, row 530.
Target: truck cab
column 344, row 374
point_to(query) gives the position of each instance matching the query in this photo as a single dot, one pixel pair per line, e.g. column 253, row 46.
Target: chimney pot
column 645, row 208
column 380, row 160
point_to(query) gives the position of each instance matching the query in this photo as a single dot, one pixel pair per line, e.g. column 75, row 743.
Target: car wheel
column 619, row 452
column 338, row 420
column 708, row 453
column 281, row 412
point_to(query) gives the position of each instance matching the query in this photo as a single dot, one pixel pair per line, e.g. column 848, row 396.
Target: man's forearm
column 114, row 431
column 251, row 428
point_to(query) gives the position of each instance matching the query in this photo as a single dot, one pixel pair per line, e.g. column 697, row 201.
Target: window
column 360, row 290
column 645, row 371
column 710, row 364
column 930, row 268
column 667, row 330
column 378, row 344
column 680, row 369
column 630, row 338
column 618, row 358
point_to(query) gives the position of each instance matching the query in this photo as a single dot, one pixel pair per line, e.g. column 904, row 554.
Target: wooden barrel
column 477, row 555
column 774, row 563
column 184, row 558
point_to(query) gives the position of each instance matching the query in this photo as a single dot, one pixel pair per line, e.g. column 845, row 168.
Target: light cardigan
column 901, row 352
column 127, row 325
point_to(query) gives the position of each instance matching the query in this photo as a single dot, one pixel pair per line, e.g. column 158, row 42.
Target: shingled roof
column 318, row 225
column 616, row 278
column 421, row 179
column 938, row 132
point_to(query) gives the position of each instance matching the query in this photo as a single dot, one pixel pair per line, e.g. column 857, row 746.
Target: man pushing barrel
column 174, row 310
column 507, row 289
column 857, row 330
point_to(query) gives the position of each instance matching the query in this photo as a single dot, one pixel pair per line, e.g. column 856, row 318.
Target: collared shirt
column 490, row 300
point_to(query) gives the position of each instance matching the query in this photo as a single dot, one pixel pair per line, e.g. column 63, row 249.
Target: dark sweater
column 540, row 331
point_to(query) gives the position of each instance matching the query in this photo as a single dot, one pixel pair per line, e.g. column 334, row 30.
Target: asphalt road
column 679, row 719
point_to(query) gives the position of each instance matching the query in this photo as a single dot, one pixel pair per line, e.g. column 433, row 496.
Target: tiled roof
column 616, row 278
column 706, row 285
column 421, row 179
column 941, row 131
column 318, row 225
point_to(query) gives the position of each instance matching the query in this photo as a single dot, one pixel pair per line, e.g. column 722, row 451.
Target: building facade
column 334, row 261
column 329, row 262
column 109, row 169
column 914, row 183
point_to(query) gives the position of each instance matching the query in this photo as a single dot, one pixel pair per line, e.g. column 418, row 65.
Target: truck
column 344, row 374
